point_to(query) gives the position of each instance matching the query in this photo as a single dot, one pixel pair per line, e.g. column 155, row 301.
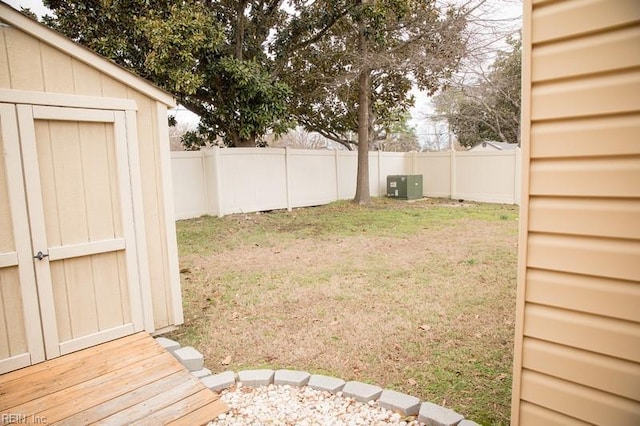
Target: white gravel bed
column 301, row 406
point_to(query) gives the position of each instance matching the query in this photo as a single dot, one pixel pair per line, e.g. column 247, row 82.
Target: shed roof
column 51, row 37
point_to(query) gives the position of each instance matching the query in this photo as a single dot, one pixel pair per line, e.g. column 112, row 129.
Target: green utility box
column 404, row 187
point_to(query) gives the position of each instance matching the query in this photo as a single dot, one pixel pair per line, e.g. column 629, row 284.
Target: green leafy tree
column 208, row 53
column 489, row 107
column 356, row 78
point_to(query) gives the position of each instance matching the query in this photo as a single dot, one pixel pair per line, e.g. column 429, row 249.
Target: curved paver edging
column 427, row 412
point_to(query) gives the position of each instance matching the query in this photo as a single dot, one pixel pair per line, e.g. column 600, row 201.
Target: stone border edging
column 427, row 412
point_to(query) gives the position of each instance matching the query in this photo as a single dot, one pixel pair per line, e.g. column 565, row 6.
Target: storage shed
column 577, row 349
column 88, row 249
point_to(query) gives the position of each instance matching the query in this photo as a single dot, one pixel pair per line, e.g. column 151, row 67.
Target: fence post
column 286, row 177
column 452, row 169
column 217, row 180
column 203, row 164
column 379, row 173
column 337, row 169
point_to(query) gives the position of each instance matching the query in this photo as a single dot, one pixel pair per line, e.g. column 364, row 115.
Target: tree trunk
column 241, row 6
column 238, row 141
column 362, row 181
column 246, row 143
column 364, row 87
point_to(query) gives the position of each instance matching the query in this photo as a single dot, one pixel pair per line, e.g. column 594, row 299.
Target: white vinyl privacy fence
column 221, row 181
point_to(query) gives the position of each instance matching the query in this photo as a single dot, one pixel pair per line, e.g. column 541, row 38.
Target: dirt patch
column 310, row 253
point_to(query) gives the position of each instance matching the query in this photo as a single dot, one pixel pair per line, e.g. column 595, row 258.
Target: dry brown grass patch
column 414, row 297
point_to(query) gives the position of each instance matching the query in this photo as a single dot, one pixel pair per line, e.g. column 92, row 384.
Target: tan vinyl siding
column 580, row 402
column 534, row 415
column 577, row 354
column 583, row 137
column 51, row 70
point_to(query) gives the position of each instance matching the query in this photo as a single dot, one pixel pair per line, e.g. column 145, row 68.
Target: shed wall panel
column 25, row 71
column 5, row 341
column 6, row 236
column 12, row 339
column 5, row 71
column 112, row 88
column 61, row 297
column 86, row 80
column 153, row 207
column 57, row 70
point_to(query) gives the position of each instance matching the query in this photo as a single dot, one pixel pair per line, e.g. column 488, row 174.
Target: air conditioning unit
column 404, row 187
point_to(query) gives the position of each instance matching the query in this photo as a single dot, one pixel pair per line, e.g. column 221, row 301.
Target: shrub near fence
column 221, row 181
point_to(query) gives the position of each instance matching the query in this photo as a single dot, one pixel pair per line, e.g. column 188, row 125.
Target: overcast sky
column 36, row 6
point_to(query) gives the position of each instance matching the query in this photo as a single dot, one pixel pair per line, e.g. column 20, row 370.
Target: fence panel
column 225, row 181
column 252, row 179
column 486, row 176
column 435, row 168
column 346, row 170
column 312, row 177
column 189, row 184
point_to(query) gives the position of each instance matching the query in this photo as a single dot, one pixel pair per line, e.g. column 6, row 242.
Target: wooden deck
column 132, row 380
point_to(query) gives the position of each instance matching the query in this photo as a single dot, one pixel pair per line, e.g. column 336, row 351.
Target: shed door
column 76, row 175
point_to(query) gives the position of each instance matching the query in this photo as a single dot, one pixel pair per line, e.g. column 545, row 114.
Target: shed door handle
column 40, row 256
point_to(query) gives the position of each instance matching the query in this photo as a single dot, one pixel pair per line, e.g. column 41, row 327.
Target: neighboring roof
column 500, row 146
column 51, row 37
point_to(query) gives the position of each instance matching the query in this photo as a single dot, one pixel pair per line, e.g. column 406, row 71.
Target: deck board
column 124, row 401
column 67, row 375
column 21, row 374
column 129, row 380
column 97, row 390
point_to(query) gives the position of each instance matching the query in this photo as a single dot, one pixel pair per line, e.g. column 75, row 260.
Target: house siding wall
column 577, row 354
column 50, row 70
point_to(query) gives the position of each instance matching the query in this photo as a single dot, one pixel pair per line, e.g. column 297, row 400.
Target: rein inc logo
column 22, row 419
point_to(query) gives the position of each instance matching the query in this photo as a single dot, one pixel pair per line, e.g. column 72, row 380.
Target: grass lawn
column 413, row 296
